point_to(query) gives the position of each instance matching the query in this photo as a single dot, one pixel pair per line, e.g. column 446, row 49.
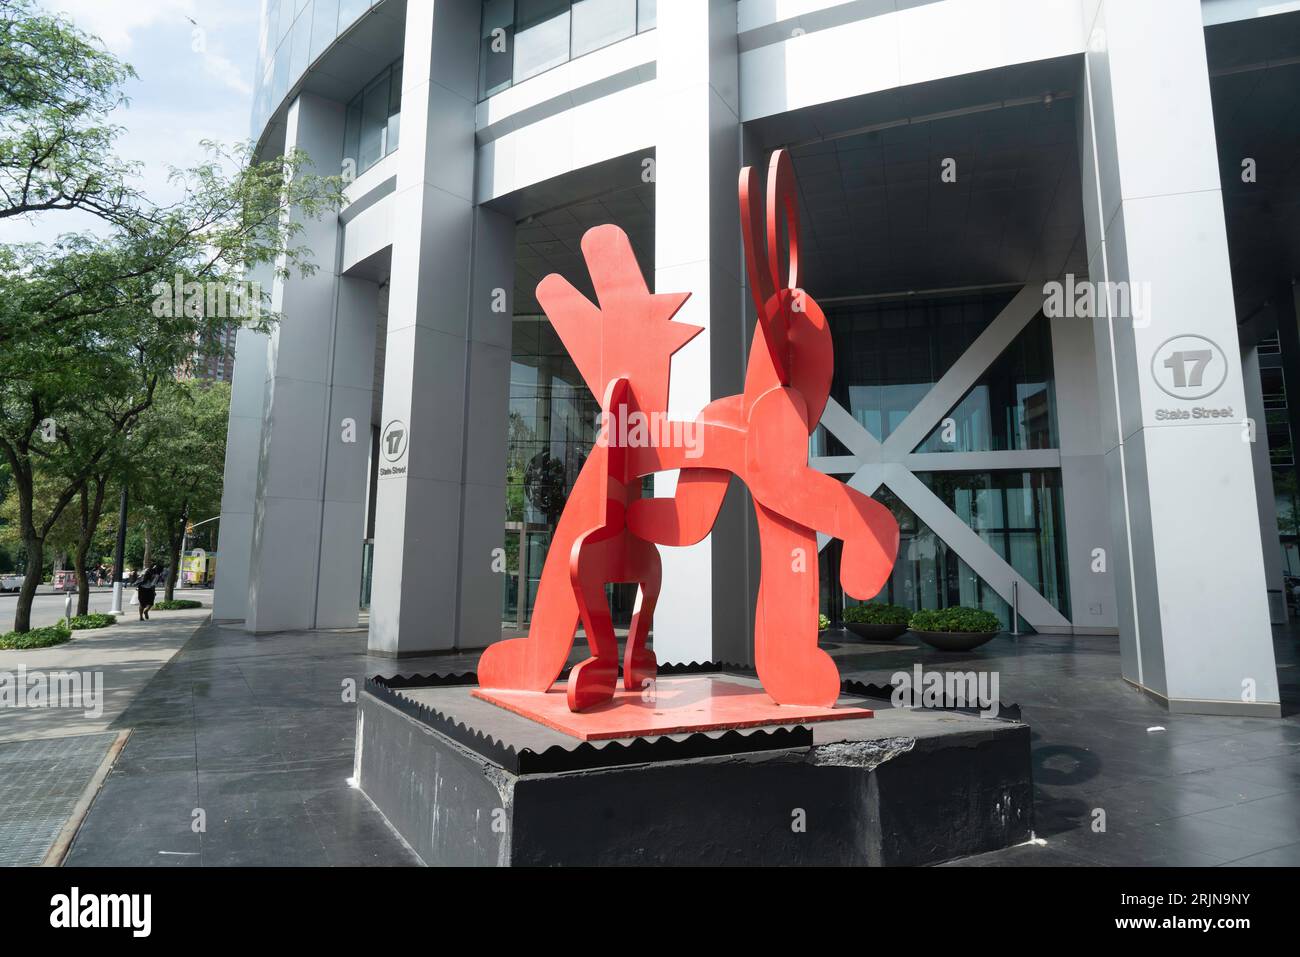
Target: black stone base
column 468, row 783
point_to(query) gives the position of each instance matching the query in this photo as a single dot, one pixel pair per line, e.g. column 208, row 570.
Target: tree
column 182, row 452
column 57, row 89
column 91, row 326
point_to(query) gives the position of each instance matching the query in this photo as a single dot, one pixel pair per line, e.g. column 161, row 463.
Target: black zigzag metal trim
column 582, row 755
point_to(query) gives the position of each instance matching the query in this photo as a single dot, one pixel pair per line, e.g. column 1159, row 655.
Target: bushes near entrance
column 877, row 614
column 957, row 618
column 177, row 604
column 93, row 620
column 36, row 638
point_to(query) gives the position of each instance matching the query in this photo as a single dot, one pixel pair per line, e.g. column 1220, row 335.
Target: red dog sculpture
column 608, row 533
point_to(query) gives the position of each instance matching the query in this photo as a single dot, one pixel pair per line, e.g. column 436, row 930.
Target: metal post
column 67, row 605
column 119, row 557
column 1015, row 608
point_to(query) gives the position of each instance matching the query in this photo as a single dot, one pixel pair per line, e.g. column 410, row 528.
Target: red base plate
column 678, row 706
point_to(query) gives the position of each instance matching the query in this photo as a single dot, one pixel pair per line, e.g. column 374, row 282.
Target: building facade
column 1055, row 241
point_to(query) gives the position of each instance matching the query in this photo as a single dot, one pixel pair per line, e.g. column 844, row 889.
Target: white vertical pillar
column 441, row 486
column 239, row 482
column 1083, row 479
column 305, row 566
column 1194, row 622
column 706, row 600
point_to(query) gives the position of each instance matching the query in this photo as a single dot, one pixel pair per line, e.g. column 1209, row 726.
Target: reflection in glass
column 888, row 354
column 1011, row 407
column 552, row 427
column 541, row 36
column 598, row 23
column 1017, row 514
column 522, row 38
column 373, row 121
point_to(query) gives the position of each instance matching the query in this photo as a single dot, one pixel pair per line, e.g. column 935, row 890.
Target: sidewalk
column 127, row 655
column 49, row 756
column 242, row 746
column 240, row 753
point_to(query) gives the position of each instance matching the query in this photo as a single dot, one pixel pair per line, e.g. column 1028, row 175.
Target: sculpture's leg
column 639, row 663
column 592, row 682
column 533, row 663
column 790, row 665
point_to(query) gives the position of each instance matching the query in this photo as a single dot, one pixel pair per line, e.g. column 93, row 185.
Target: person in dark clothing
column 146, row 589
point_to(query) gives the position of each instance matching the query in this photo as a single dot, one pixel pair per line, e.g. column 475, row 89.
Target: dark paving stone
column 255, row 730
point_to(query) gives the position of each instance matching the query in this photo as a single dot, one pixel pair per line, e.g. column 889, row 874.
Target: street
column 47, row 607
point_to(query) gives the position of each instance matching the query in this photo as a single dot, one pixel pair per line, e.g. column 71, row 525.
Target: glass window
column 1018, row 514
column 541, row 36
column 394, row 110
column 301, row 40
column 287, row 13
column 645, row 15
column 598, row 23
column 1011, row 407
column 280, row 83
column 373, row 121
column 889, row 354
column 350, row 10
column 324, row 26
column 496, row 47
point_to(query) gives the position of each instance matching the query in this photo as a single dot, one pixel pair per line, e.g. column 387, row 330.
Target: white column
column 305, row 567
column 1189, row 571
column 707, row 601
column 441, row 488
column 239, row 482
column 1083, row 479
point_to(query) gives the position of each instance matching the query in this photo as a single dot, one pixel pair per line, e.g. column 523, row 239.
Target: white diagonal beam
column 962, row 539
column 965, row 372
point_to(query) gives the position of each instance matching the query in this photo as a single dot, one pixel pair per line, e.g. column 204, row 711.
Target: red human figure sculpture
column 762, row 437
column 608, row 532
column 623, row 349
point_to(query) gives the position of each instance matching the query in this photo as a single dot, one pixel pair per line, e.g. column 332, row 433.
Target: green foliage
column 823, row 622
column 956, row 618
column 35, row 638
column 877, row 614
column 92, row 620
column 57, row 88
column 177, row 604
column 89, row 333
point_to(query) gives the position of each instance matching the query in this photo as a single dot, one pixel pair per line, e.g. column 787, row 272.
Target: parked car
column 11, row 582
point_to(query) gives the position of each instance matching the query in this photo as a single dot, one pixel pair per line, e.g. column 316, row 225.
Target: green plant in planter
column 93, row 620
column 36, row 638
column 877, row 613
column 956, row 618
column 177, row 604
column 823, row 622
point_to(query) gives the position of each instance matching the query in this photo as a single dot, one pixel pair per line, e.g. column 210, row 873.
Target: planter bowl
column 873, row 632
column 955, row 640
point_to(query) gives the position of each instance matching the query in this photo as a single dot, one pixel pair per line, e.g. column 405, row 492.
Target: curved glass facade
column 294, row 33
column 522, row 38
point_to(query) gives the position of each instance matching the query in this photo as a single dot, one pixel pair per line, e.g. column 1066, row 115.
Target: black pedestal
column 467, row 783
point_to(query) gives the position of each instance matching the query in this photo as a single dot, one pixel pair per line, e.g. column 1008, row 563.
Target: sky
column 195, row 60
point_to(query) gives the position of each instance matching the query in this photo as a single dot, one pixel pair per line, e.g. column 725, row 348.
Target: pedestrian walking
column 146, row 588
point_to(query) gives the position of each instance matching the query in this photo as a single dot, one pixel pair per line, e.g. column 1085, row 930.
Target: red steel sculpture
column 609, row 533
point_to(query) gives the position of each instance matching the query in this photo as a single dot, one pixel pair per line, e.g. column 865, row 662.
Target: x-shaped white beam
column 893, row 463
